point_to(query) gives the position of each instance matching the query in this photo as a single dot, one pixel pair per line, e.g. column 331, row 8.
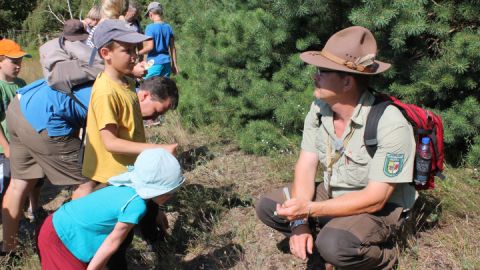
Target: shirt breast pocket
column 321, row 151
column 356, row 168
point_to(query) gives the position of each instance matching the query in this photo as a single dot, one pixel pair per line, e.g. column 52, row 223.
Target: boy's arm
column 147, row 47
column 4, row 143
column 116, row 145
column 110, row 245
column 173, row 54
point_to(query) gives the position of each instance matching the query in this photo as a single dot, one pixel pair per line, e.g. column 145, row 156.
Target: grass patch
column 31, row 69
column 446, row 235
column 213, row 222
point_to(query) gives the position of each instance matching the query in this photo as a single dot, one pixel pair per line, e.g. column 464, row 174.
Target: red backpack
column 424, row 123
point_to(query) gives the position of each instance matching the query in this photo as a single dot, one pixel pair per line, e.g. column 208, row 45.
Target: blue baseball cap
column 117, row 30
column 156, row 172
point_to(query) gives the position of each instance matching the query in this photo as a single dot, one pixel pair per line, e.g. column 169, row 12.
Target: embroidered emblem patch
column 393, row 164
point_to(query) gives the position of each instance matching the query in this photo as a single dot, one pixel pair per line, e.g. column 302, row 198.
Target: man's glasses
column 319, row 71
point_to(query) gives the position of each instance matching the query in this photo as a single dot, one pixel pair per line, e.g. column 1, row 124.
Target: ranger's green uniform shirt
column 393, row 161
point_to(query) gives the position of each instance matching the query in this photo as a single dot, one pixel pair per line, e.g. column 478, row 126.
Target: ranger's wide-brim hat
column 351, row 50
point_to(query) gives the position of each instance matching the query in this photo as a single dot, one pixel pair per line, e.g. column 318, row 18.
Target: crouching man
column 361, row 202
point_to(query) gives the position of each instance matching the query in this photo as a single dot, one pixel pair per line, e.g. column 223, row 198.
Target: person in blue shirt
column 44, row 125
column 86, row 232
column 160, row 49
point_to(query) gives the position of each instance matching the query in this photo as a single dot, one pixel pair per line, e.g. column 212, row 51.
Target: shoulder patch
column 393, row 164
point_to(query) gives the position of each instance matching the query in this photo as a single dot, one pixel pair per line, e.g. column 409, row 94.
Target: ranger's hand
column 294, row 209
column 301, row 242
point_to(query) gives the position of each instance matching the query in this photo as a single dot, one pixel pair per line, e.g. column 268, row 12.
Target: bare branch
column 69, row 9
column 54, row 15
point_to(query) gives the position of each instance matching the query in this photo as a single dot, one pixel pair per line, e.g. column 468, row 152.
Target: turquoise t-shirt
column 8, row 90
column 83, row 224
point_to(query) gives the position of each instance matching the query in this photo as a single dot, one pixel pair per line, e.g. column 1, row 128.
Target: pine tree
column 241, row 65
column 241, row 68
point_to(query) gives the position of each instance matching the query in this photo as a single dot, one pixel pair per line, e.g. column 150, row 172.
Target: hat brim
column 152, row 191
column 18, row 55
column 132, row 37
column 76, row 37
column 318, row 60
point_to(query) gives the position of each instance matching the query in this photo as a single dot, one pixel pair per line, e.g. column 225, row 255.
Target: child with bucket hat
column 81, row 234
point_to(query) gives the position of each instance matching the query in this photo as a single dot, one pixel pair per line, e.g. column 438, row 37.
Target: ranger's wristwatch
column 296, row 223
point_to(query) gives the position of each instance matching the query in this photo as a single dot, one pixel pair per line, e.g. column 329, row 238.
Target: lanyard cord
column 332, row 159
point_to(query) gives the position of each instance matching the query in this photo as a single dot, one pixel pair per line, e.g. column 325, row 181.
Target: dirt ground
column 213, row 223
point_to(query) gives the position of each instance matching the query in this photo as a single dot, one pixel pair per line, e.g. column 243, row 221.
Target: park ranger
column 362, row 200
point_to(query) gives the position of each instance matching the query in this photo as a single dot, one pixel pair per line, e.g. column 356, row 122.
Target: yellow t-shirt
column 111, row 103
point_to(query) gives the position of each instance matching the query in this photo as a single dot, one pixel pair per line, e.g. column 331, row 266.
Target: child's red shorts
column 53, row 253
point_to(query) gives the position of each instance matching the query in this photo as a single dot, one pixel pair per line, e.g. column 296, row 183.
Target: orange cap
column 10, row 48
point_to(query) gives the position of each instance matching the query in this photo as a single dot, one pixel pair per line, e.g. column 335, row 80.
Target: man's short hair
column 363, row 81
column 161, row 88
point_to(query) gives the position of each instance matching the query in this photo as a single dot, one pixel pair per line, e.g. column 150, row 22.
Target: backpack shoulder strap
column 61, row 42
column 93, row 54
column 75, row 99
column 319, row 118
column 370, row 135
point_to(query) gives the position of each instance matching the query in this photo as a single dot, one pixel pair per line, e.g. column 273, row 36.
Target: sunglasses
column 320, row 71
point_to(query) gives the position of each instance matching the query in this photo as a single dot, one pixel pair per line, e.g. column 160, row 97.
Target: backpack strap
column 319, row 117
column 74, row 98
column 61, row 42
column 92, row 56
column 370, row 135
column 84, row 128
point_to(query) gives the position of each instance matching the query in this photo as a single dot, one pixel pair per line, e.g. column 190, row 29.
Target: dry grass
column 31, row 70
column 213, row 223
column 448, row 237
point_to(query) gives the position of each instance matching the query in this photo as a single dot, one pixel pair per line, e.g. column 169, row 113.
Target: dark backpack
column 424, row 123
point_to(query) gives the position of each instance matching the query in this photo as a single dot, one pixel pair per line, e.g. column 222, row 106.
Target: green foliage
column 13, row 12
column 241, row 67
column 262, row 137
column 48, row 15
column 240, row 64
column 473, row 157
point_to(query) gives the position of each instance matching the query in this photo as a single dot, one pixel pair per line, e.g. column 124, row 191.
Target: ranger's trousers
column 361, row 241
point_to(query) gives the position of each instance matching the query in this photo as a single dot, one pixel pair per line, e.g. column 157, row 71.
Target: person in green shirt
column 11, row 56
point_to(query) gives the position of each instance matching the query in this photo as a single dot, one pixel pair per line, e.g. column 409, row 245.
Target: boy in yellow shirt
column 115, row 132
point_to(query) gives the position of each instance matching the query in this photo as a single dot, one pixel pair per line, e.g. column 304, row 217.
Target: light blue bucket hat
column 155, row 172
